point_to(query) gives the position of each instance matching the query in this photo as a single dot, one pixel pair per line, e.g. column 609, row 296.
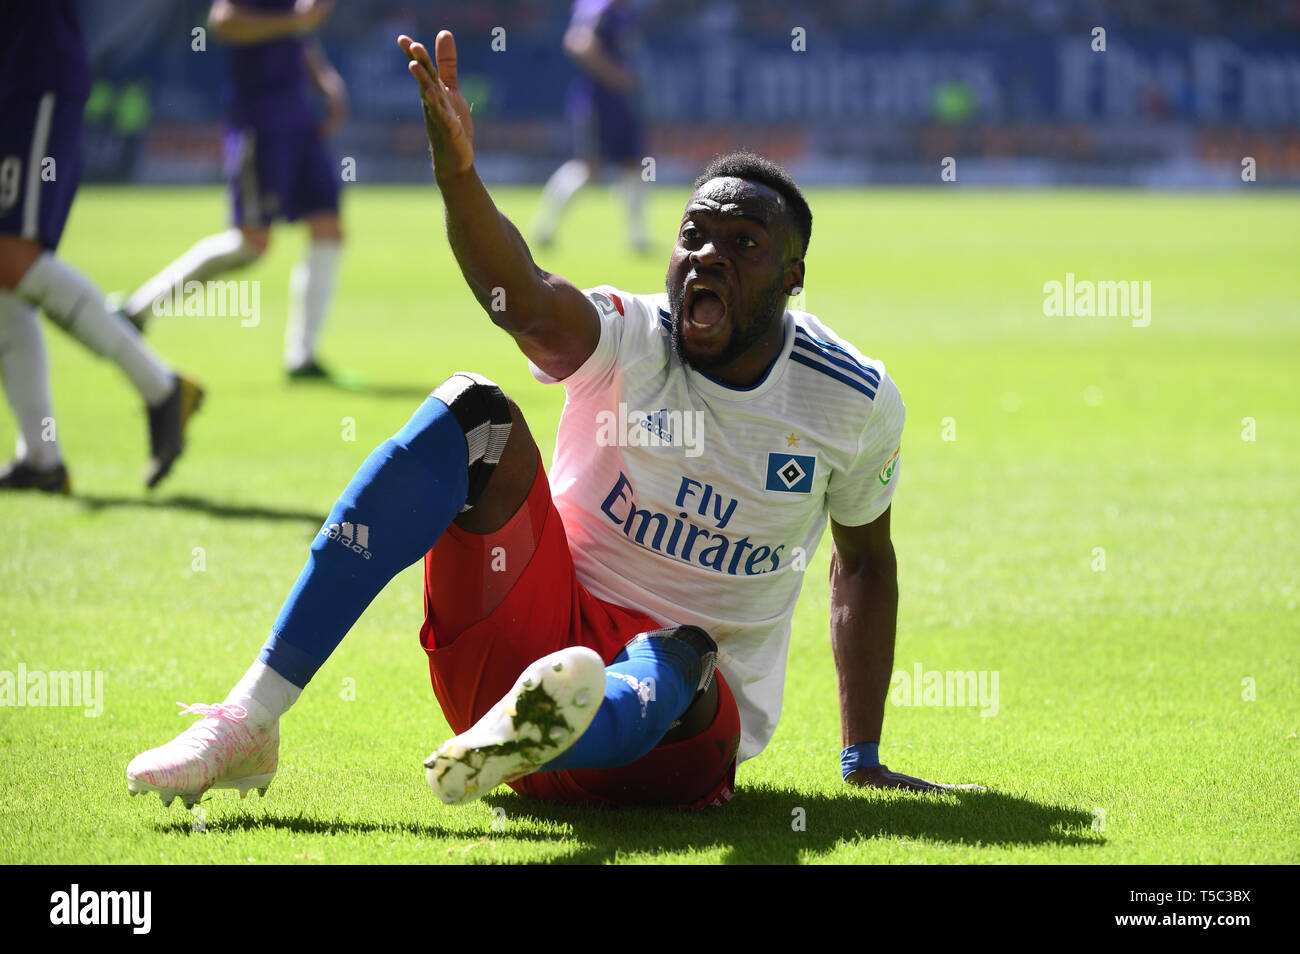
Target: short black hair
column 742, row 164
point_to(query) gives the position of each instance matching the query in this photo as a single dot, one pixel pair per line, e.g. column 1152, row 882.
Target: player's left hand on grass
column 880, row 776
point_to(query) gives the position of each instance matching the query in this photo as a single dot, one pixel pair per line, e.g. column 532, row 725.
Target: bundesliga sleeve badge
column 887, row 471
column 790, row 473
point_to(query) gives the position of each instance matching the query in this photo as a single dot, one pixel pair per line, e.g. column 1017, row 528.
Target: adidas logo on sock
column 356, row 537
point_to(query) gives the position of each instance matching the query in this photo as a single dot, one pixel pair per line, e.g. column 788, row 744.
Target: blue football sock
column 647, row 688
column 395, row 508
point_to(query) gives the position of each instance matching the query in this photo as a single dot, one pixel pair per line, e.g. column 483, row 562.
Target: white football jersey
column 695, row 502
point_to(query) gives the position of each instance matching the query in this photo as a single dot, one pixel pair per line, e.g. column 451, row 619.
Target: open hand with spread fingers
column 879, row 776
column 446, row 114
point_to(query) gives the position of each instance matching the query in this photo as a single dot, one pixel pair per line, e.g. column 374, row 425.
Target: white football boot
column 225, row 749
column 551, row 705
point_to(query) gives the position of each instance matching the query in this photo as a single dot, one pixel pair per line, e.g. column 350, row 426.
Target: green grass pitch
column 1148, row 711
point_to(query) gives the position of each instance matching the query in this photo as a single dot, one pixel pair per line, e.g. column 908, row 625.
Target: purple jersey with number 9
column 44, row 81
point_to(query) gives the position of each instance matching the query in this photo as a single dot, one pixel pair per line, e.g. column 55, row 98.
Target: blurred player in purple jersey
column 44, row 81
column 277, row 164
column 604, row 114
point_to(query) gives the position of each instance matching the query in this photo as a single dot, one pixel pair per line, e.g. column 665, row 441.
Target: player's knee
column 485, row 415
column 689, row 644
column 16, row 257
column 256, row 242
column 695, row 654
column 325, row 229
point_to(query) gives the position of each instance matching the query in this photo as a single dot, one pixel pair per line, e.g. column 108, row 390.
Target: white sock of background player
column 311, row 285
column 25, row 370
column 208, row 258
column 560, row 188
column 633, row 189
column 76, row 305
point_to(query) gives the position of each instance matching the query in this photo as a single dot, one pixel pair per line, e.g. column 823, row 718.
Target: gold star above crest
column 792, row 440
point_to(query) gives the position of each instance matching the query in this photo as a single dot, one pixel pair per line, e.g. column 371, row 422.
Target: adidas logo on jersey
column 658, row 424
column 356, row 537
column 661, row 428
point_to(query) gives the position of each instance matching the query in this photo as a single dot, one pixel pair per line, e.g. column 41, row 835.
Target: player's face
column 729, row 274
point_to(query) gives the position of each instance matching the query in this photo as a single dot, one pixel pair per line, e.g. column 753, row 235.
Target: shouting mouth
column 706, row 311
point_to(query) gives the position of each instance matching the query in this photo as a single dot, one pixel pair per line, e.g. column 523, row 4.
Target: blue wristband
column 864, row 755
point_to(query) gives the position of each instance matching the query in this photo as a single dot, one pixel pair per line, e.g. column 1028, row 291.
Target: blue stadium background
column 884, row 89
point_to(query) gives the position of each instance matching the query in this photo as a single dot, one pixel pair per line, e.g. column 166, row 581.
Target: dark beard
column 741, row 340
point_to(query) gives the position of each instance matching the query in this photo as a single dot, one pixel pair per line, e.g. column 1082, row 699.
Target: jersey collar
column 771, row 378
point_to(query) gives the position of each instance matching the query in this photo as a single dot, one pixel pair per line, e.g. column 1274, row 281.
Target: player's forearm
column 864, row 617
column 239, row 26
column 606, row 70
column 322, row 73
column 585, row 49
column 493, row 256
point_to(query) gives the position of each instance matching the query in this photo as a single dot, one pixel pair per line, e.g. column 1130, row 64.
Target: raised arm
column 239, row 25
column 550, row 319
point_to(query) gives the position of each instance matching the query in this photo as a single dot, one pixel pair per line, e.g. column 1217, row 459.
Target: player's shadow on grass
column 759, row 826
column 775, row 826
column 213, row 508
column 256, row 819
column 304, row 824
column 412, row 392
column 357, row 384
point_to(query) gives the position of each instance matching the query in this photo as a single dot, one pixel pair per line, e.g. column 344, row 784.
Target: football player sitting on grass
column 633, row 648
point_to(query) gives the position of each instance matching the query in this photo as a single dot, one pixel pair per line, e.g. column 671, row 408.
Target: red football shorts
column 496, row 602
